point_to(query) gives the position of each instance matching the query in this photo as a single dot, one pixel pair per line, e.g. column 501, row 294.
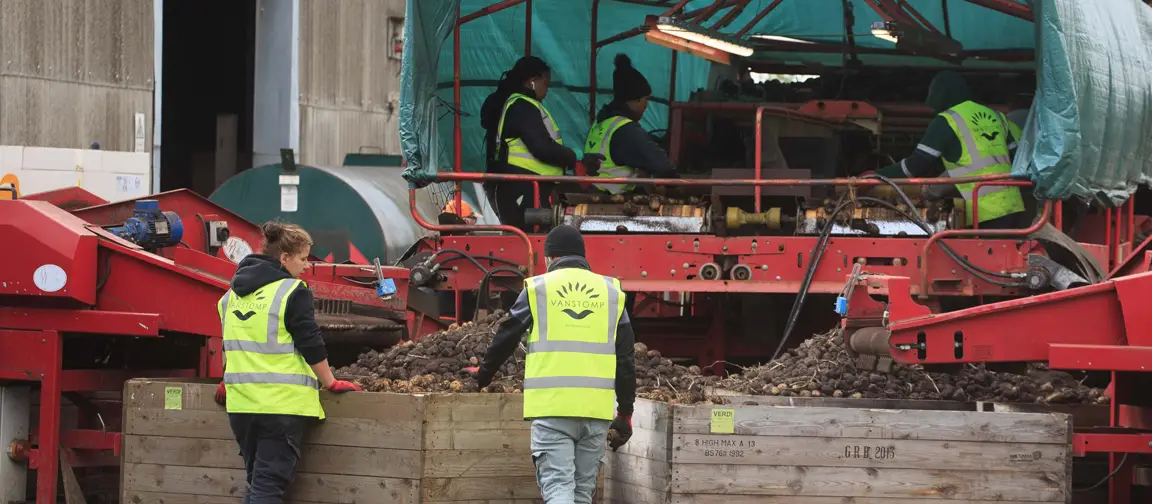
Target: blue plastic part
column 841, row 305
column 385, row 287
column 147, row 205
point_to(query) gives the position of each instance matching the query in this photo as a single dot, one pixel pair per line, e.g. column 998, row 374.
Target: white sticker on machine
column 50, row 278
column 236, row 249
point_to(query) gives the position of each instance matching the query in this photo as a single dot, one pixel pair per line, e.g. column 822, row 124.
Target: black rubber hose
column 482, row 291
column 810, row 273
column 969, row 267
column 924, row 225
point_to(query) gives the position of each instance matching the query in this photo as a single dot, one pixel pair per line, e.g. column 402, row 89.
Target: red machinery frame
column 112, row 291
column 899, row 268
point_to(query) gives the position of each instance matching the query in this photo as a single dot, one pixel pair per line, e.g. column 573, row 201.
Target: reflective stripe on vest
column 599, row 141
column 263, row 372
column 518, row 153
column 986, row 154
column 570, row 369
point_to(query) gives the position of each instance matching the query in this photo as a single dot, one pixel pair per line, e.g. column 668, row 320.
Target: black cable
column 810, row 273
column 1106, row 478
column 924, row 225
column 107, row 271
column 482, row 291
column 471, row 258
column 970, row 268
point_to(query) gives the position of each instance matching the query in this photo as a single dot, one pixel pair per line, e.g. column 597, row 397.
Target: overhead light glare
column 704, row 36
column 882, row 30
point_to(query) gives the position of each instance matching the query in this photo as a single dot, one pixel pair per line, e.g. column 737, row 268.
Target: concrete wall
column 349, row 86
column 73, row 72
column 111, row 175
column 76, row 71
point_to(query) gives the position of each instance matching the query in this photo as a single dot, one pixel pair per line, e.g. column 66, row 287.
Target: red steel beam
column 756, row 19
column 1008, row 7
column 81, row 321
column 1083, row 444
column 498, row 177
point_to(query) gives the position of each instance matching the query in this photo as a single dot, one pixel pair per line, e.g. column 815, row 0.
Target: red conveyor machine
column 82, row 310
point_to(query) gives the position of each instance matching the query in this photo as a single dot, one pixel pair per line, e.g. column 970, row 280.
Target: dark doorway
column 207, row 75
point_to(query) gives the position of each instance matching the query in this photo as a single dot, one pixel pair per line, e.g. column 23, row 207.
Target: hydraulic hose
column 918, row 220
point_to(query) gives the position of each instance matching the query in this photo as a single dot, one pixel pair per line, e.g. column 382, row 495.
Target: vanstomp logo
column 579, row 300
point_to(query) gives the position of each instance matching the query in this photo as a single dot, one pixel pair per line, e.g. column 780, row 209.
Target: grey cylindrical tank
column 352, row 212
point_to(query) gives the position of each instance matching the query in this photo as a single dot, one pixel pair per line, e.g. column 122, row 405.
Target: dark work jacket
column 632, row 146
column 519, row 323
column 256, row 271
column 523, row 121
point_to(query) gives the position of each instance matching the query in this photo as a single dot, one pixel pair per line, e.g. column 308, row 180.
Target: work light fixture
column 701, row 35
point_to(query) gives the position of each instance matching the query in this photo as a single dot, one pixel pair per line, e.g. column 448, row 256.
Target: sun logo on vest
column 985, row 125
column 577, row 296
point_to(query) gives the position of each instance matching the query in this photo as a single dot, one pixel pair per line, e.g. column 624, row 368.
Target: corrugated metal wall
column 349, row 87
column 75, row 71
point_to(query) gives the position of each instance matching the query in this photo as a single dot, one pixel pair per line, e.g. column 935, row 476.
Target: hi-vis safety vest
column 570, row 370
column 599, row 140
column 985, row 147
column 518, row 154
column 263, row 373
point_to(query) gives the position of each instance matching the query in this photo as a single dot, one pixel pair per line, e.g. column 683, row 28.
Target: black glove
column 482, row 379
column 622, row 425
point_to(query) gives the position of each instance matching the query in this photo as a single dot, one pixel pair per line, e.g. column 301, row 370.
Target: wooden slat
column 476, row 435
column 652, row 415
column 648, row 444
column 478, row 463
column 474, row 407
column 134, row 497
column 639, row 471
column 881, row 424
column 766, row 499
column 619, row 492
column 332, row 431
column 149, row 394
column 318, row 459
column 858, row 452
column 319, row 488
column 456, row 489
column 877, row 483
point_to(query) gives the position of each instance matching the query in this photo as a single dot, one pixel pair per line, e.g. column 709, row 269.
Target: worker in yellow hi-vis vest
column 580, row 363
column 275, row 361
column 522, row 138
column 624, row 148
column 967, row 139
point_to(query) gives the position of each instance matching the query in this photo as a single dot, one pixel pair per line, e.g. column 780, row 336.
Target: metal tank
column 354, row 213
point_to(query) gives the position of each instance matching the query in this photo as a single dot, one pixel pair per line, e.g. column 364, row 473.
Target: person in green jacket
column 967, row 139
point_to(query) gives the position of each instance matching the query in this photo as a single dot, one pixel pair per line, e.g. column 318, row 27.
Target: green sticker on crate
column 723, row 421
column 173, row 397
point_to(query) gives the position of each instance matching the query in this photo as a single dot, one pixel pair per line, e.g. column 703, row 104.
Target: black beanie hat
column 627, row 82
column 564, row 241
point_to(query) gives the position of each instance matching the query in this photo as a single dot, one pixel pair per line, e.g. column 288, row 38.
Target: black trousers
column 1018, row 220
column 512, row 199
column 270, row 446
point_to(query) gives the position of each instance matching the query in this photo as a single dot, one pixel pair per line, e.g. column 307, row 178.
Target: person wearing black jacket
column 569, row 374
column 275, row 361
column 618, row 139
column 522, row 138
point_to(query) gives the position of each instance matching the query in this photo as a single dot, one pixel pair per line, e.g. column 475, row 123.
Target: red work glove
column 867, row 173
column 341, row 386
column 221, row 394
column 623, row 427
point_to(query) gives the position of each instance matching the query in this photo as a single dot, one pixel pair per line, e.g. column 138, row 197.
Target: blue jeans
column 567, row 454
column 270, row 446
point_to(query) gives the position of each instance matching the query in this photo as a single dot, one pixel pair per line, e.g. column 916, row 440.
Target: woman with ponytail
column 522, row 138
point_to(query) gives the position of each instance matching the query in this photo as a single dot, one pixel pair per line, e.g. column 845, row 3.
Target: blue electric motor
column 151, row 228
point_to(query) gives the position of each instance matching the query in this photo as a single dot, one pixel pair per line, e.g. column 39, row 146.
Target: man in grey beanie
column 580, row 367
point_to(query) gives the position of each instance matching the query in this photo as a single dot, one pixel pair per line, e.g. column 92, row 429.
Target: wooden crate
column 830, row 455
column 372, row 448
